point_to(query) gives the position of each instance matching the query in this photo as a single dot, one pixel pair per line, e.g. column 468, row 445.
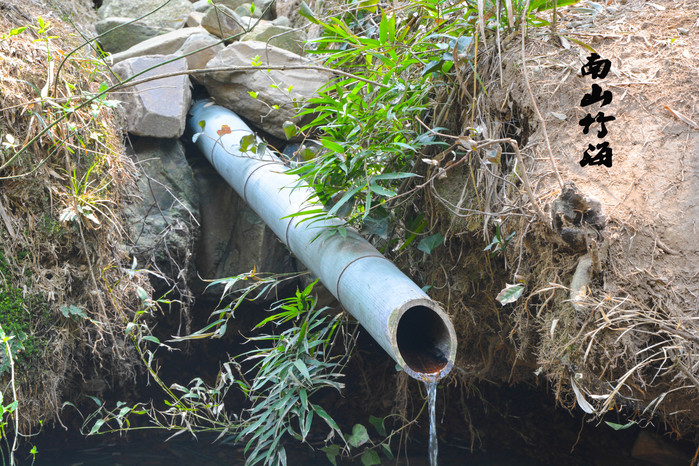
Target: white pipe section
column 408, row 325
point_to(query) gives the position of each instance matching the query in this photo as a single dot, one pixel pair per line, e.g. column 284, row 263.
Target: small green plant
column 23, row 318
column 88, row 199
column 498, row 244
column 360, row 437
column 292, row 366
column 11, row 410
column 42, row 30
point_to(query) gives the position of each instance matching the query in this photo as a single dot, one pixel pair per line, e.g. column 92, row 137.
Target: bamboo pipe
column 409, row 326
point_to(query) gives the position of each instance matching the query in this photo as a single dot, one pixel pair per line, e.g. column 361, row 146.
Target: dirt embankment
column 609, row 315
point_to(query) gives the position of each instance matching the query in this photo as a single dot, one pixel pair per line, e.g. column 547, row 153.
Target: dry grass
column 63, row 176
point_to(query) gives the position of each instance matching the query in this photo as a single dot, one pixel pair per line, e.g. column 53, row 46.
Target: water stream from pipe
column 431, row 402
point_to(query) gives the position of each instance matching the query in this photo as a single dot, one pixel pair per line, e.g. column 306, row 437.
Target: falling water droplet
column 431, row 402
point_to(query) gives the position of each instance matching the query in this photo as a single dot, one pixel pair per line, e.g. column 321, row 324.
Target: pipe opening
column 423, row 340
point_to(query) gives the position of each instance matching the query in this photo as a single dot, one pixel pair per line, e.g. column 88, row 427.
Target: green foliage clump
column 296, row 365
column 25, row 317
column 375, row 123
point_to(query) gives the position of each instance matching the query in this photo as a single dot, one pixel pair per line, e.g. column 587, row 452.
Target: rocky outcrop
column 157, row 108
column 171, row 15
column 233, row 239
column 163, row 223
column 267, row 98
column 126, row 35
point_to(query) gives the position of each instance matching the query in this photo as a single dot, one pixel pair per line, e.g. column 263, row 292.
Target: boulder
column 200, row 6
column 244, row 10
column 163, row 221
column 165, row 44
column 194, row 19
column 279, row 36
column 172, row 15
column 234, row 4
column 292, row 86
column 290, row 10
column 198, row 61
column 127, row 35
column 222, row 22
column 282, row 21
column 248, row 22
column 156, row 108
column 233, row 239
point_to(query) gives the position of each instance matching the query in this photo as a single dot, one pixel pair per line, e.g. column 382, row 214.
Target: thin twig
column 527, row 184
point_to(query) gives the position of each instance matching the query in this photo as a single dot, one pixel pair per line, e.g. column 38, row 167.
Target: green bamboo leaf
column 326, row 417
column 307, row 425
column 302, row 368
column 347, row 196
column 380, row 190
column 616, row 426
column 392, row 28
column 367, row 205
column 580, row 43
column 304, row 398
column 332, row 145
column 510, row 294
column 151, row 338
column 383, row 29
column 393, row 176
column 97, row 426
column 306, row 212
column 306, row 12
column 543, row 5
column 368, row 5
